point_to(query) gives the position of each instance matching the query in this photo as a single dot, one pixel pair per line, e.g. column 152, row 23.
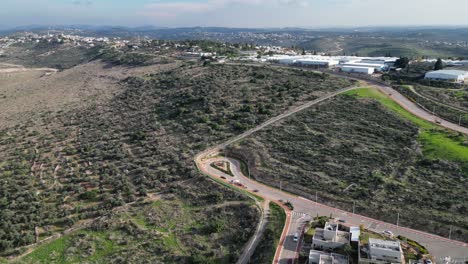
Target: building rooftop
column 451, row 72
column 331, row 226
column 319, row 257
column 384, row 244
column 341, row 236
column 355, row 233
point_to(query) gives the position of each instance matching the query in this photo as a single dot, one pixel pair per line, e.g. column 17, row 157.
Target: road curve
column 386, row 89
column 439, row 246
column 416, row 110
column 272, row 121
column 304, row 209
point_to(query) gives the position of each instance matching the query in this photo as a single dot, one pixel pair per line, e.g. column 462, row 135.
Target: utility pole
column 354, row 206
column 398, row 220
column 433, row 111
column 316, row 197
column 459, row 120
column 450, row 233
column 281, row 186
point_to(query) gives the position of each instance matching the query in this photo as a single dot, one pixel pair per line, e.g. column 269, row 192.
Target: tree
column 303, row 52
column 402, row 62
column 439, row 65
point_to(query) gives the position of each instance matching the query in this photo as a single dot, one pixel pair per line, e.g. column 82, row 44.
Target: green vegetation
column 374, row 46
column 437, row 143
column 363, row 147
column 116, row 57
column 265, row 251
column 420, row 248
column 155, row 232
column 439, row 65
column 449, row 105
column 70, row 166
column 52, row 55
column 223, row 167
column 457, row 98
column 366, row 234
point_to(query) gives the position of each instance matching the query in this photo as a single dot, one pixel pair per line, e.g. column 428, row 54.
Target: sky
column 234, row 13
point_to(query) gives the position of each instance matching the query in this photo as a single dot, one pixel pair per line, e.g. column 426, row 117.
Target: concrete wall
column 327, row 245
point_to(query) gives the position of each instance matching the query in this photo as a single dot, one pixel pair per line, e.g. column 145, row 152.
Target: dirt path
column 250, row 247
column 80, row 225
column 435, row 101
column 11, row 68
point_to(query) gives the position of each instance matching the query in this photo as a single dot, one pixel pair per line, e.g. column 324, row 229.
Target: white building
column 318, row 257
column 357, row 69
column 355, row 233
column 448, row 75
column 378, row 63
column 387, row 251
column 376, row 66
column 317, row 62
column 330, row 238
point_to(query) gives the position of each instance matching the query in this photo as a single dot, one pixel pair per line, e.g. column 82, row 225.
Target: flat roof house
column 319, row 257
column 387, row 251
column 330, row 238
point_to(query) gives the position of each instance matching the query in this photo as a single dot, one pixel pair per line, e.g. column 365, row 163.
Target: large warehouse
column 358, row 69
column 448, row 75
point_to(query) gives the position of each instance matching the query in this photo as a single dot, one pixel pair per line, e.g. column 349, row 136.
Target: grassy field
column 155, row 232
column 363, row 147
column 438, row 143
column 449, row 104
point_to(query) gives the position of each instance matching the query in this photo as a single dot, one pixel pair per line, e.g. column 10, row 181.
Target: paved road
column 438, row 246
column 411, row 87
column 303, row 208
column 416, row 110
column 395, row 96
column 272, row 121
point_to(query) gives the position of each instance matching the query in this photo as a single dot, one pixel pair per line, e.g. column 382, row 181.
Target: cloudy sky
column 234, row 13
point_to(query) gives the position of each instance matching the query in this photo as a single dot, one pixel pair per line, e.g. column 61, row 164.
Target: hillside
column 354, row 149
column 119, row 168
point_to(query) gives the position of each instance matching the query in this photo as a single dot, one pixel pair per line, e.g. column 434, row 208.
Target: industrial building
column 375, row 66
column 330, row 238
column 317, row 62
column 352, row 64
column 385, row 251
column 448, row 75
column 318, row 257
column 306, row 60
column 358, row 69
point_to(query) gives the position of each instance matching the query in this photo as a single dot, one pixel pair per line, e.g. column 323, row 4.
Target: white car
column 296, row 237
column 387, row 232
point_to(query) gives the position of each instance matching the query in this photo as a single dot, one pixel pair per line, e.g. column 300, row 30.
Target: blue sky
column 234, row 13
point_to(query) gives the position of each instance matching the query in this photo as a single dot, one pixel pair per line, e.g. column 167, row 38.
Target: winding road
column 303, row 208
